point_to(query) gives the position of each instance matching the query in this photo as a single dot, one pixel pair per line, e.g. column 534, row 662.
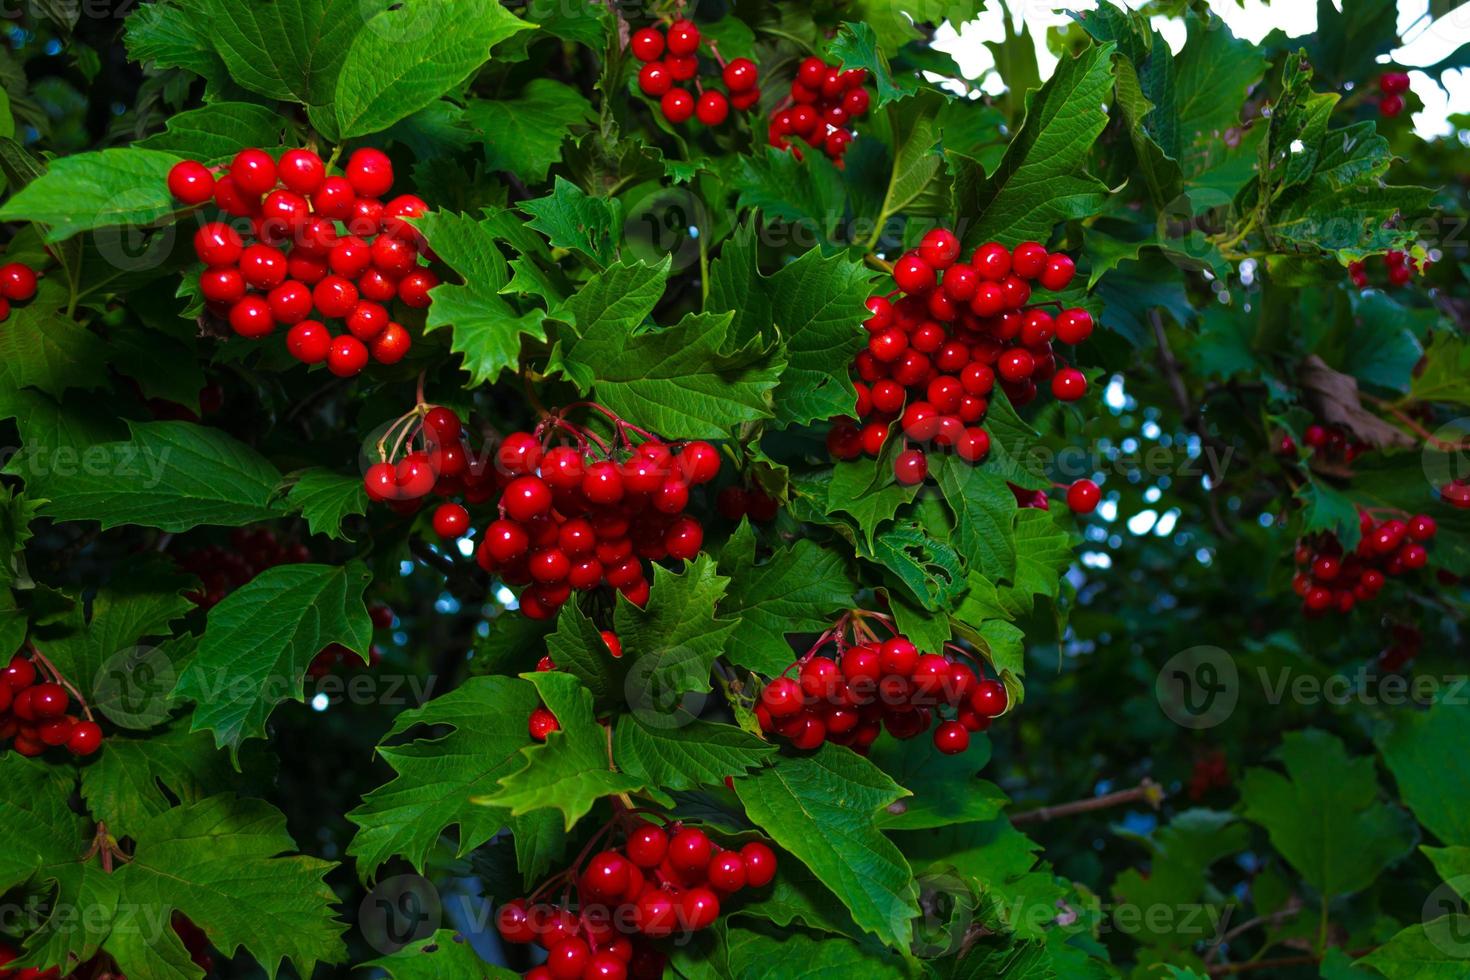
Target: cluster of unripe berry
column 1329, row 580
column 17, row 285
column 1401, row 268
column 222, row 570
column 1393, row 85
column 663, row 882
column 935, row 354
column 824, row 103
column 587, row 515
column 316, row 248
column 1327, row 440
column 33, row 711
column 674, row 57
column 876, row 685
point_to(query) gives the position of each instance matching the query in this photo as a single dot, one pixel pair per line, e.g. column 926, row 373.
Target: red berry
column 20, row 674
column 989, row 698
column 251, row 317
column 1068, row 385
column 217, row 244
column 290, row 302
column 334, row 199
column 782, row 697
column 654, row 79
column 381, row 482
column 48, row 700
column 682, row 68
column 646, row 845
column 910, row 467
column 1058, row 272
column 392, row 344
column 699, row 908
column 347, row 356
column 85, row 739
column 526, row 497
column 1393, row 82
column 912, row 274
column 677, row 105
column 712, row 109
column 414, row 288
column 370, row 172
column 683, row 37
column 191, row 182
column 740, row 75
column 1422, row 527
column 726, row 872
column 223, row 285
column 254, row 172
column 760, row 864
column 690, row 851
column 301, row 171
column 939, row 248
column 451, row 521
column 647, row 44
column 1074, row 326
column 1083, row 496
column 951, row 738
column 567, row 959
column 541, row 723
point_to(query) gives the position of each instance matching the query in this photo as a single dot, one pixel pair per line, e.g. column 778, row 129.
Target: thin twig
column 1147, row 791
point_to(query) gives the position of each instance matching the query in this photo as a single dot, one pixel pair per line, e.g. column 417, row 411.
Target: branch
column 1306, row 959
column 1147, row 791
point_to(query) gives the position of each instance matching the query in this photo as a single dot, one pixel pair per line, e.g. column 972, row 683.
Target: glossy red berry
column 251, row 317
column 912, row 274
column 989, row 698
column 1083, row 497
column 541, row 723
column 677, row 105
column 1068, row 385
column 1058, row 272
column 451, row 521
column 347, row 356
column 646, row 845
column 85, row 738
column 654, row 79
column 254, row 172
column 647, row 44
column 760, row 864
column 910, row 467
column 939, row 248
column 740, row 75
column 951, row 738
column 782, row 697
column 370, row 172
column 712, row 109
column 217, row 244
column 191, row 182
column 683, row 37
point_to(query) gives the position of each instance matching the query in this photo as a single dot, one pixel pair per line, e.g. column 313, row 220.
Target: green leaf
column 814, row 304
column 945, row 789
column 1446, row 374
column 1437, row 793
column 985, row 513
column 823, row 809
column 96, row 190
column 169, row 475
column 570, row 771
column 729, row 952
column 700, row 753
column 143, row 603
column 1041, row 179
column 867, row 489
column 44, row 838
column 524, row 134
column 215, row 132
column 444, row 954
column 436, row 776
column 571, row 219
column 1323, row 815
column 797, row 590
column 1433, row 950
column 324, row 498
column 682, row 381
column 225, row 862
column 407, row 56
column 856, row 46
column 171, row 35
column 671, row 645
column 486, row 330
column 42, row 347
column 139, row 778
column 260, row 639
column 285, row 49
column 615, row 302
column 578, row 648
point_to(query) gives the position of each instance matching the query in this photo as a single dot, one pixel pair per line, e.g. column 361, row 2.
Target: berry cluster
column 663, row 882
column 314, row 245
column 33, row 703
column 933, row 355
column 736, row 502
column 586, row 515
column 222, row 570
column 427, row 452
column 872, row 685
column 1456, row 493
column 824, row 103
column 673, row 56
column 1400, row 266
column 1330, row 580
column 17, row 285
column 1393, row 85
